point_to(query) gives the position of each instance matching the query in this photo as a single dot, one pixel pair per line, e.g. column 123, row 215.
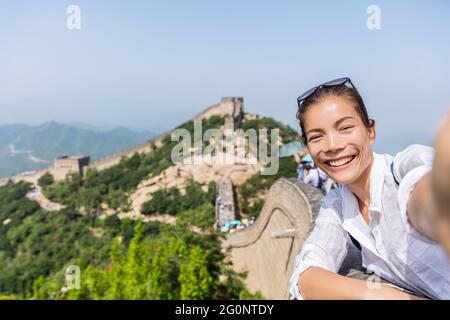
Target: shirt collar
column 376, row 188
column 353, row 221
column 376, row 182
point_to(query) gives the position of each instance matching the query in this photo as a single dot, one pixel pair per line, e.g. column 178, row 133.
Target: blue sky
column 151, row 64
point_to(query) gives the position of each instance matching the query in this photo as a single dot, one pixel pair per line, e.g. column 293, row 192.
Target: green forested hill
column 120, row 258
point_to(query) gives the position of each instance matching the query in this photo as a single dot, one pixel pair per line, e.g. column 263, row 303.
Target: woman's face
column 337, row 139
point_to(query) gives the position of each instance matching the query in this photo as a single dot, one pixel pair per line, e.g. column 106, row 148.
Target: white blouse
column 390, row 247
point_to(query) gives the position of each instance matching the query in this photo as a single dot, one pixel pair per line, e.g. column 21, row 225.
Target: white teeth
column 340, row 162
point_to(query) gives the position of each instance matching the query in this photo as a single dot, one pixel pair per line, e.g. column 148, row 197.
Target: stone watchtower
column 65, row 165
column 235, row 113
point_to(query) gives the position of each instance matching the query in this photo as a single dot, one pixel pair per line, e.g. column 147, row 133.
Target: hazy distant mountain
column 81, row 125
column 24, row 147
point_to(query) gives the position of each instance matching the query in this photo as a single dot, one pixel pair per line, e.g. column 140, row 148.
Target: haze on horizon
column 156, row 64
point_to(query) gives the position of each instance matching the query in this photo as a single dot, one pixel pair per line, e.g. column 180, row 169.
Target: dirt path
column 45, row 203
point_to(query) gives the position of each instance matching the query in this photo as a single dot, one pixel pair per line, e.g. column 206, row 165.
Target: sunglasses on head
column 332, row 83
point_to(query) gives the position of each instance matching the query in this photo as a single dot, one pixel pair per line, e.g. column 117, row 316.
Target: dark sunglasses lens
column 336, row 82
column 306, row 94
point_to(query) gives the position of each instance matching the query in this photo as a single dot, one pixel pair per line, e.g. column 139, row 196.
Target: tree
column 195, row 281
column 136, row 267
column 116, row 273
column 45, row 180
column 39, row 292
column 96, row 283
column 165, row 269
column 202, row 216
column 212, row 190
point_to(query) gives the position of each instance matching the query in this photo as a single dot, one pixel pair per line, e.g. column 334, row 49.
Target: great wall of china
column 265, row 249
column 231, row 106
column 228, row 106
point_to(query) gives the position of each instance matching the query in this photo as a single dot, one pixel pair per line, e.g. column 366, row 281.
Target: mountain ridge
column 21, row 144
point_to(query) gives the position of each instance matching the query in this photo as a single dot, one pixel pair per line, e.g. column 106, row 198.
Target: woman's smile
column 337, row 164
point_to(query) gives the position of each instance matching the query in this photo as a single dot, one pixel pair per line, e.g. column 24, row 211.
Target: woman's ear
column 372, row 131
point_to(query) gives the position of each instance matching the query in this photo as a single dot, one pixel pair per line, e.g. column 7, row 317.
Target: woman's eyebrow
column 315, row 130
column 337, row 123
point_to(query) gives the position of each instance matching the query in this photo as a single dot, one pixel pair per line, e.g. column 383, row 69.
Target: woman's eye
column 314, row 138
column 346, row 128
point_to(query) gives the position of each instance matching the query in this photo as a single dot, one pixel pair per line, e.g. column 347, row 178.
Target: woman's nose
column 332, row 143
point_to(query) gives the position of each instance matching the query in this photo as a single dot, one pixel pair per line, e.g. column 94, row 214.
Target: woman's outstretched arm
column 421, row 209
column 429, row 204
column 440, row 183
column 318, row 283
column 315, row 270
column 325, row 247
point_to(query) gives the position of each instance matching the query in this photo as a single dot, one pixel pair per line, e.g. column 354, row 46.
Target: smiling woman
column 334, row 121
column 368, row 208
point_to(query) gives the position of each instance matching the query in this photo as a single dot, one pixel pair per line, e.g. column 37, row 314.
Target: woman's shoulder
column 411, row 157
column 414, row 150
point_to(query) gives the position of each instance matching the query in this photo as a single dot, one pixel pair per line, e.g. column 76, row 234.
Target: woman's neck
column 361, row 187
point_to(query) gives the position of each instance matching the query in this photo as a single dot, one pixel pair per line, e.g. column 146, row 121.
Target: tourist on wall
column 369, row 208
